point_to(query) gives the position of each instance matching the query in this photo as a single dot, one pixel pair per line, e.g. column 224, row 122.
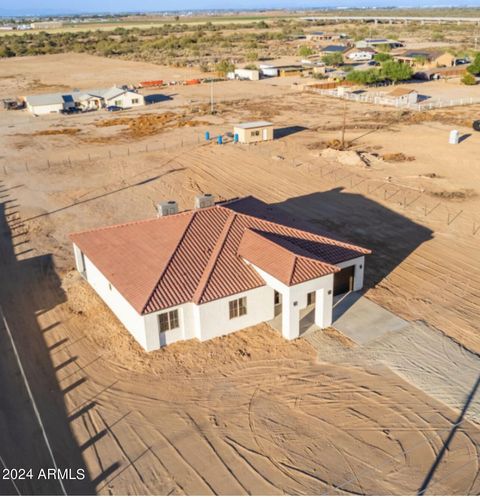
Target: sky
column 25, row 7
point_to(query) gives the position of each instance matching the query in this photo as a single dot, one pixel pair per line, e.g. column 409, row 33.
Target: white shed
column 49, row 103
column 255, row 131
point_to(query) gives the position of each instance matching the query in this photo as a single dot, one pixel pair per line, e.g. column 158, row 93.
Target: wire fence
column 106, row 153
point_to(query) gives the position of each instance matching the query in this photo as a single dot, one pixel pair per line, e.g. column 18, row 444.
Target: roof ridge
column 301, row 230
column 292, row 273
column 304, row 254
column 207, row 272
column 174, row 251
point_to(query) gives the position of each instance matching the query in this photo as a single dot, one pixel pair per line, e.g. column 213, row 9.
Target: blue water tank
column 235, row 138
column 220, row 139
column 207, row 135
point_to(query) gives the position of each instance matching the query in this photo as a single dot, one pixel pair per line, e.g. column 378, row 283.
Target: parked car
column 113, row 108
column 459, row 62
column 71, row 110
column 476, row 125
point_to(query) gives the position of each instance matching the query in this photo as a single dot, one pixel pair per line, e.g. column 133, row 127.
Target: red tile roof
column 199, row 256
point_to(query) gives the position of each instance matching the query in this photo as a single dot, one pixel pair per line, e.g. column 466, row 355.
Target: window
column 134, row 101
column 168, row 320
column 118, row 103
column 255, row 133
column 238, row 307
column 310, row 298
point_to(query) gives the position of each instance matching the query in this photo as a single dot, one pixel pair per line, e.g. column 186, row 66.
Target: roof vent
column 167, row 208
column 206, row 200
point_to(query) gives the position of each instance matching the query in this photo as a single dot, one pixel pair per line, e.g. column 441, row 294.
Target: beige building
column 426, row 58
column 252, row 132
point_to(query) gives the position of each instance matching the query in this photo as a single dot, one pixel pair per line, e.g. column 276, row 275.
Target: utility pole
column 344, row 124
column 211, row 97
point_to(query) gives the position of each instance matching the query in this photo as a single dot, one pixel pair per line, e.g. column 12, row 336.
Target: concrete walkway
column 362, row 320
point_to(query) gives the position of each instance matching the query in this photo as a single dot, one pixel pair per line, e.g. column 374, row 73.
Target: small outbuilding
column 402, row 96
column 252, row 132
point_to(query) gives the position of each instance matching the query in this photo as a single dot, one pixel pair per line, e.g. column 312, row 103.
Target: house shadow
column 288, row 130
column 157, row 98
column 464, row 137
column 354, row 218
column 29, row 287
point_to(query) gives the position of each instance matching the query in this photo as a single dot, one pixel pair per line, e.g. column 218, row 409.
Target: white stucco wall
column 122, row 309
column 213, row 318
column 294, row 298
column 127, row 100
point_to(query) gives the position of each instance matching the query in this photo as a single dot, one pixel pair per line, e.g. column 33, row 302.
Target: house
column 83, row 100
column 441, row 73
column 356, row 54
column 252, row 132
column 400, row 97
column 331, row 49
column 426, row 58
column 378, row 43
column 49, row 103
column 322, row 36
column 214, row 270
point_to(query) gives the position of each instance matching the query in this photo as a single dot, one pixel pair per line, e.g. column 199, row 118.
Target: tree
column 474, row 67
column 469, row 79
column 224, row 67
column 396, row 71
column 333, row 59
column 367, row 77
column 382, row 57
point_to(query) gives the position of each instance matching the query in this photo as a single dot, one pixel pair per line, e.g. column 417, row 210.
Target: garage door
column 343, row 281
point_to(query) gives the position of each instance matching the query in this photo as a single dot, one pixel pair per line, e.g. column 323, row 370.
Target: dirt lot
column 248, row 413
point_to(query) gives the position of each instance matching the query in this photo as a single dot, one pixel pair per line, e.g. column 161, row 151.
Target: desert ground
column 248, row 413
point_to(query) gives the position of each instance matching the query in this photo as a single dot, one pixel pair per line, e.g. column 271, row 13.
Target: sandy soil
column 251, row 413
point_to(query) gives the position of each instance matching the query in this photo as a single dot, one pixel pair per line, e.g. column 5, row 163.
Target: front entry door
column 343, row 281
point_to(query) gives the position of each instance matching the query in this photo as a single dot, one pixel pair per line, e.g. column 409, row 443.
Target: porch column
column 323, row 307
column 290, row 317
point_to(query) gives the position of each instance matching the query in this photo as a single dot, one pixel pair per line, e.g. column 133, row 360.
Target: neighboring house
column 426, row 58
column 359, row 54
column 46, row 24
column 378, row 42
column 322, row 36
column 441, row 73
column 215, row 270
column 49, row 103
column 252, row 132
column 331, row 49
column 400, row 97
column 83, row 100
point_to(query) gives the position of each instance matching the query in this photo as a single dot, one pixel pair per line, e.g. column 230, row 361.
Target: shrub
column 469, row 79
column 305, row 51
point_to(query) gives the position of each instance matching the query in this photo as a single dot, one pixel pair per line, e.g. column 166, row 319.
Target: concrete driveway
column 362, row 320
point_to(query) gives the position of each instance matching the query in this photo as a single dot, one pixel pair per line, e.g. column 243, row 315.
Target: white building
column 215, row 270
column 360, row 54
column 252, row 132
column 83, row 100
column 49, row 103
column 250, row 74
